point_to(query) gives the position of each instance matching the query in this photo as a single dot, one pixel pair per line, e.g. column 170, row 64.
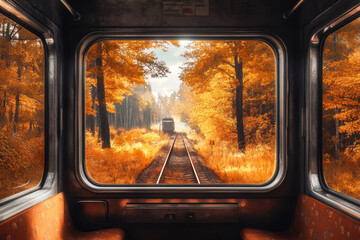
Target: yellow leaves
column 256, row 165
column 131, row 152
column 341, row 80
column 259, row 127
column 341, row 109
column 210, row 103
column 22, row 89
column 125, row 65
column 342, row 175
column 21, row 159
column 212, row 111
column 350, row 127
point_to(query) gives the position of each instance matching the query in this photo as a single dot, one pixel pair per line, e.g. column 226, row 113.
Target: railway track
column 178, row 164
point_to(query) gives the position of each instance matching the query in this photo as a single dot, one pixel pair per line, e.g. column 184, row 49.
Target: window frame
column 314, row 176
column 47, row 187
column 160, row 34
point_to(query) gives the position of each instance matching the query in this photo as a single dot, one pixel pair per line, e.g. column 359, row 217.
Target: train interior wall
column 271, row 210
column 265, row 210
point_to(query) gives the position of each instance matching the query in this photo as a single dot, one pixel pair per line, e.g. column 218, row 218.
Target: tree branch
column 37, row 100
column 226, row 62
column 14, row 31
column 223, row 71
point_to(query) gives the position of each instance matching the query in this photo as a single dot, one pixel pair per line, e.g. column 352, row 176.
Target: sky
column 173, row 60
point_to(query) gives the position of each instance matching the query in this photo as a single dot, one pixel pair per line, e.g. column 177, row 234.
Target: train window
column 21, row 108
column 341, row 110
column 180, row 112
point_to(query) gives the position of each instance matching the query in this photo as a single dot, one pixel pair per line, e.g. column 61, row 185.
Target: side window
column 341, row 110
column 21, row 108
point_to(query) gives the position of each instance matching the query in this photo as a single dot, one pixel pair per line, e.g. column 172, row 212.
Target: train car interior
column 179, row 119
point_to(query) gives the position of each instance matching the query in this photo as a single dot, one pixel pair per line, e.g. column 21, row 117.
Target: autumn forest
column 341, row 110
column 226, row 96
column 221, row 94
column 21, row 108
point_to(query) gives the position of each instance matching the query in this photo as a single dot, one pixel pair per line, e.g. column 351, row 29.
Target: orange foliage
column 210, row 106
column 131, row 152
column 207, row 101
column 254, row 166
column 210, row 82
column 22, row 91
column 114, row 69
column 341, row 110
column 21, row 163
column 125, row 64
column 343, row 176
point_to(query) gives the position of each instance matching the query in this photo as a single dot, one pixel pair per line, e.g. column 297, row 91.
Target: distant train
column 168, row 125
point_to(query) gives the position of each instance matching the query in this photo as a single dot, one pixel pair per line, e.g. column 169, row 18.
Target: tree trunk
column 30, row 128
column 131, row 121
column 92, row 117
column 10, row 113
column 116, row 118
column 3, row 110
column 337, row 123
column 239, row 103
column 16, row 115
column 5, row 55
column 17, row 100
column 104, row 123
column 127, row 113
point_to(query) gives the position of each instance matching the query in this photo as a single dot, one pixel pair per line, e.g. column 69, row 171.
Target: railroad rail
column 170, row 158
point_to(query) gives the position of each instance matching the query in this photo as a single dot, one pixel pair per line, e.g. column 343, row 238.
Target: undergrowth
column 21, row 162
column 255, row 165
column 130, row 153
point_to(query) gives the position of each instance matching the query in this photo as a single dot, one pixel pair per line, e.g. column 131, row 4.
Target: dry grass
column 130, row 153
column 256, row 165
column 343, row 176
column 21, row 162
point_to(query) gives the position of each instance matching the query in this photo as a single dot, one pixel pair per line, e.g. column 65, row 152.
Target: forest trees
column 227, row 95
column 22, row 89
column 114, row 70
column 341, row 83
column 120, row 108
column 136, row 110
column 233, row 84
column 22, row 77
column 341, row 109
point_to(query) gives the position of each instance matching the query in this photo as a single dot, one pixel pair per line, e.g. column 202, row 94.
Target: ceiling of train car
column 225, row 13
column 311, row 9
column 150, row 13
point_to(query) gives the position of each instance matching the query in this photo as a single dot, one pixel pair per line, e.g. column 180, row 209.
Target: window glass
column 149, row 105
column 21, row 108
column 341, row 110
